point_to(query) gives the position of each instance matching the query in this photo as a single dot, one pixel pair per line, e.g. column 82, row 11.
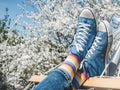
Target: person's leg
column 61, row 78
column 93, row 63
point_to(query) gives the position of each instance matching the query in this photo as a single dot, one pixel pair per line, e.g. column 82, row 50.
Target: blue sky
column 11, row 5
column 13, row 11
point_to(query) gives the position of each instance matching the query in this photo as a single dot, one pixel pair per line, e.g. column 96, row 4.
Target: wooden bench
column 104, row 83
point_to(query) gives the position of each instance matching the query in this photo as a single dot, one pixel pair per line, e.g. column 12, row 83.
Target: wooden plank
column 37, row 78
column 103, row 83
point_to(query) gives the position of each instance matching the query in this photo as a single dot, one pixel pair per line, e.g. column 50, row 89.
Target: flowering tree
column 50, row 33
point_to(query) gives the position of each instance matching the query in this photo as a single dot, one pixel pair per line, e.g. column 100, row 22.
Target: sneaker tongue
column 86, row 20
column 100, row 34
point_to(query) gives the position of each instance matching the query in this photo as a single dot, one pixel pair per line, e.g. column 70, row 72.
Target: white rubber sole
column 109, row 44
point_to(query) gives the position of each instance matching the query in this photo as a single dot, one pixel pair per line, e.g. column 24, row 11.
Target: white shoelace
column 92, row 50
column 94, row 46
column 81, row 36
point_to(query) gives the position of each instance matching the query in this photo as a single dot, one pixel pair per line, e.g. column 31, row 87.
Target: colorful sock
column 70, row 65
column 79, row 79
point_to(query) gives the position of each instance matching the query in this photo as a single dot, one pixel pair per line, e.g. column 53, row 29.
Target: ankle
column 70, row 65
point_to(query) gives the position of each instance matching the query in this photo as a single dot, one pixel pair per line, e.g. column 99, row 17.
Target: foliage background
column 48, row 37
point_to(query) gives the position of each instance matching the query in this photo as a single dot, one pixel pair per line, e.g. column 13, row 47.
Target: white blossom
column 48, row 39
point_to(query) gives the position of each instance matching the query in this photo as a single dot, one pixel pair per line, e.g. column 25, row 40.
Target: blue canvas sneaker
column 85, row 33
column 93, row 64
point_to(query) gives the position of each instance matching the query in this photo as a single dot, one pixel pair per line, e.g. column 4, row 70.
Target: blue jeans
column 56, row 80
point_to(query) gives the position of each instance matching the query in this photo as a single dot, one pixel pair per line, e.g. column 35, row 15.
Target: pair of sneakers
column 91, row 44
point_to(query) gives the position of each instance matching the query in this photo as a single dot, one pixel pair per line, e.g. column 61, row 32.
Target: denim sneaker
column 85, row 33
column 93, row 64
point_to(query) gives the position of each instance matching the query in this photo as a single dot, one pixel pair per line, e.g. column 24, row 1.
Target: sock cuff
column 74, row 57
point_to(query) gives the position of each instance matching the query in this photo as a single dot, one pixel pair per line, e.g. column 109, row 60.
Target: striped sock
column 79, row 79
column 70, row 65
